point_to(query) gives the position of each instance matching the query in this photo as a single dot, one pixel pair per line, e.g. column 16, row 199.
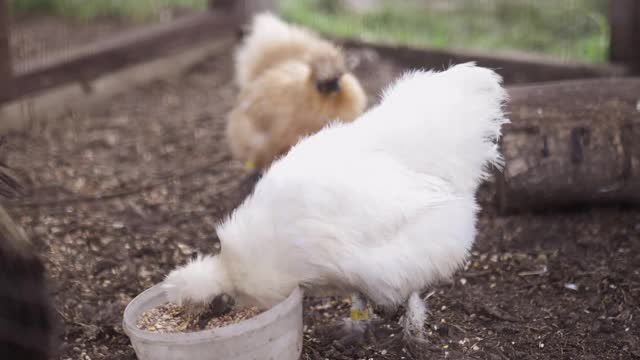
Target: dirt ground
column 120, row 195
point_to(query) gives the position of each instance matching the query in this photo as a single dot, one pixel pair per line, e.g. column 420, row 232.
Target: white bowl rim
column 133, row 310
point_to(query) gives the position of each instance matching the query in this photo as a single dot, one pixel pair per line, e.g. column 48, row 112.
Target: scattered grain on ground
column 172, row 318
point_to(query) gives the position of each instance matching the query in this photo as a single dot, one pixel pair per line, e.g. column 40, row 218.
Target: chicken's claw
column 350, row 332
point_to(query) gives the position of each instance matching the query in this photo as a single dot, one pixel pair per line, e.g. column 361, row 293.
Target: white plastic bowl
column 275, row 334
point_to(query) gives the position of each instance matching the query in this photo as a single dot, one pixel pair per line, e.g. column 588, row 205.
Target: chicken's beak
column 329, row 86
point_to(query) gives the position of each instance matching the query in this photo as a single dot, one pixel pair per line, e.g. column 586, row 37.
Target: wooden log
column 6, row 69
column 624, row 19
column 571, row 143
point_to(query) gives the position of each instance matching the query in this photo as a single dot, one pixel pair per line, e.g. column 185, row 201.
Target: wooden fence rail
column 6, row 72
column 624, row 17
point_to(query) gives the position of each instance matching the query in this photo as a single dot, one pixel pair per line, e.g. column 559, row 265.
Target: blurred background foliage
column 575, row 30
column 88, row 10
column 568, row 29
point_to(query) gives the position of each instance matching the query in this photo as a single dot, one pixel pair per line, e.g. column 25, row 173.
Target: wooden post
column 24, row 287
column 6, row 70
column 242, row 9
column 624, row 19
column 221, row 4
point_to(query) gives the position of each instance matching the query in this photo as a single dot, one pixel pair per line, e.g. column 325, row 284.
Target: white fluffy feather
column 383, row 206
column 413, row 321
column 193, row 282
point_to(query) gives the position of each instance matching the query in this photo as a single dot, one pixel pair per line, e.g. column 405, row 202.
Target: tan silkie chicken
column 292, row 83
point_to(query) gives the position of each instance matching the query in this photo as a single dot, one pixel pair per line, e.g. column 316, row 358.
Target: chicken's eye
column 328, row 86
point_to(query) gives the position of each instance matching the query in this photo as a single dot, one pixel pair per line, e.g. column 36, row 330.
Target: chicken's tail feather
column 446, row 123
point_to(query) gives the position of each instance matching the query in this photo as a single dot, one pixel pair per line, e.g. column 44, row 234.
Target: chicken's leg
column 353, row 330
column 359, row 309
column 413, row 320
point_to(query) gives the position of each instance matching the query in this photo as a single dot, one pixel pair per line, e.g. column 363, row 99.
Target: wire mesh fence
column 46, row 29
column 572, row 31
column 576, row 30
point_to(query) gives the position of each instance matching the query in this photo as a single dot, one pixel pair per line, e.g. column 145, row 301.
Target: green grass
column 570, row 30
column 567, row 29
column 86, row 10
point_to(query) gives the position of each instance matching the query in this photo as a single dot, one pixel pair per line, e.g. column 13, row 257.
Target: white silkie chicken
column 380, row 208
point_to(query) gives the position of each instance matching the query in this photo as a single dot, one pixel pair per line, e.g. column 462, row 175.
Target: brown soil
column 119, row 196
